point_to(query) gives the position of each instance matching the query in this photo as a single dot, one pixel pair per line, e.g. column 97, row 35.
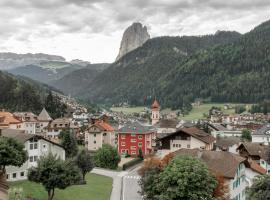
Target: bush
column 131, row 163
column 107, row 157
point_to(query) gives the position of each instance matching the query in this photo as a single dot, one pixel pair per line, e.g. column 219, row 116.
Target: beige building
column 99, row 133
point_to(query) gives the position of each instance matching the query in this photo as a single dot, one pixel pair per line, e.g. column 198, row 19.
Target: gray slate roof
column 265, row 130
column 135, row 127
column 44, row 116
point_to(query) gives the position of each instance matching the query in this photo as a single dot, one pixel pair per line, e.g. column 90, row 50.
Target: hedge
column 132, row 163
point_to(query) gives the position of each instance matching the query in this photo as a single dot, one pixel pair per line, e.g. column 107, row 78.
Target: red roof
column 103, row 125
column 8, row 118
column 155, row 104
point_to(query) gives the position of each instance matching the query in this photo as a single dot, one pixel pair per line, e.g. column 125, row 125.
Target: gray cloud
column 33, row 20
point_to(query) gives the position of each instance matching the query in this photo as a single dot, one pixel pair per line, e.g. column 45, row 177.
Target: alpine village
column 172, row 118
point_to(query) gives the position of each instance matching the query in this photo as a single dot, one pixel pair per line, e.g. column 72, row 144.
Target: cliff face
column 133, row 37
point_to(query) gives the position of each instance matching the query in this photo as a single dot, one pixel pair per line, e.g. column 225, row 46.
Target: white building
column 29, row 121
column 262, row 135
column 36, row 146
column 55, row 127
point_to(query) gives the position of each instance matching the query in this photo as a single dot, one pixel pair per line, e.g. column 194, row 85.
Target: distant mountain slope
column 138, row 75
column 76, row 81
column 45, row 72
column 13, row 60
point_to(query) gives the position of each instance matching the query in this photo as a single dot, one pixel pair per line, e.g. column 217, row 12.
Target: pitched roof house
column 256, row 152
column 262, row 135
column 229, row 165
column 36, row 146
column 8, row 120
column 134, row 136
column 98, row 133
column 189, row 138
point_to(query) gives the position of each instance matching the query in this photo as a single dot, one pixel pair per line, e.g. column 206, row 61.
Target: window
column 123, row 151
column 188, row 146
column 140, row 137
column 104, row 134
column 7, row 176
column 95, row 141
column 123, row 137
column 31, row 158
column 35, row 145
column 140, row 144
column 14, row 175
column 35, row 158
column 22, row 174
column 123, row 144
column 262, row 162
column 133, row 140
column 133, row 135
column 95, row 135
column 31, row 146
column 133, row 148
column 133, row 152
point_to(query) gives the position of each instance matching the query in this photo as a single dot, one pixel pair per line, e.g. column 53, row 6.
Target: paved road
column 130, row 185
column 125, row 183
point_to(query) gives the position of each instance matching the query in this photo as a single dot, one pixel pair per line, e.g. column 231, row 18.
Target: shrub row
column 132, row 163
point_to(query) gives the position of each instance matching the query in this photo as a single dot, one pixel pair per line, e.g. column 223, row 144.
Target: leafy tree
column 260, row 189
column 69, row 143
column 149, row 178
column 246, row 135
column 11, row 153
column 52, row 173
column 84, row 161
column 186, row 178
column 140, row 154
column 107, row 157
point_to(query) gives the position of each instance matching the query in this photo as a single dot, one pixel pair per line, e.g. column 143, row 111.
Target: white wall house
column 29, row 121
column 36, row 146
column 262, row 135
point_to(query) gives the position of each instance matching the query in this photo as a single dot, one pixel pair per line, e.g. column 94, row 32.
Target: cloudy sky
column 92, row 29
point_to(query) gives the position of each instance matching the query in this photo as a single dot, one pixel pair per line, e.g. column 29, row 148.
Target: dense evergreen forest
column 23, row 94
column 224, row 67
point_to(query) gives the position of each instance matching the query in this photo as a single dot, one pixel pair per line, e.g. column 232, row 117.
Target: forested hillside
column 223, row 67
column 137, row 76
column 22, row 94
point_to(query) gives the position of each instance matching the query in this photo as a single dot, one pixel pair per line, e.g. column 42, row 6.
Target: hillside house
column 29, row 121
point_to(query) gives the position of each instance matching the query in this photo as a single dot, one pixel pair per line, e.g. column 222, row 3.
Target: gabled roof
column 8, row 118
column 194, row 132
column 104, row 126
column 265, row 130
column 253, row 165
column 26, row 116
column 167, row 123
column 218, row 127
column 44, row 116
column 135, row 127
column 225, row 142
column 255, row 149
column 22, row 137
column 221, row 162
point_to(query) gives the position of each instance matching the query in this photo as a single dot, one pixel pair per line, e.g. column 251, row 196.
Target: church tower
column 155, row 112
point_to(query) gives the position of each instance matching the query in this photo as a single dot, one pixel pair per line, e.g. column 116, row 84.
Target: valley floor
column 97, row 188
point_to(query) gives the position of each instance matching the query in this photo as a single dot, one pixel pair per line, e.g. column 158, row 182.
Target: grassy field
column 198, row 111
column 128, row 110
column 97, row 188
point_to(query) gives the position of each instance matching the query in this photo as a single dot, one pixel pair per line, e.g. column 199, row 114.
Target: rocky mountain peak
column 134, row 36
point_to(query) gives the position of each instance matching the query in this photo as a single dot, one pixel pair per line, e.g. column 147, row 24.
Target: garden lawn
column 198, row 111
column 97, row 188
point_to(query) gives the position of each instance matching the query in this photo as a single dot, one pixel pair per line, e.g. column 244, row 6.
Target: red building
column 135, row 136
